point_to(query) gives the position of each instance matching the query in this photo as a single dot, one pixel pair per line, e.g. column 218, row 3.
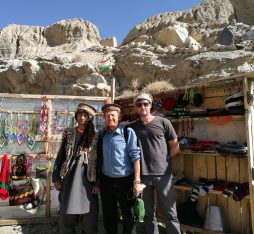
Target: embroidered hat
column 111, row 107
column 82, row 108
column 145, row 96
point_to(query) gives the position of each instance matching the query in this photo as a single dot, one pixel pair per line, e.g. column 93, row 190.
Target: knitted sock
column 194, row 193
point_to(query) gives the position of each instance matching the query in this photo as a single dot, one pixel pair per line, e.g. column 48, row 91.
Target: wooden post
column 249, row 115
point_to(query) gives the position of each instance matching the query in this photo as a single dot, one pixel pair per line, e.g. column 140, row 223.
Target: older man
column 120, row 170
column 158, row 143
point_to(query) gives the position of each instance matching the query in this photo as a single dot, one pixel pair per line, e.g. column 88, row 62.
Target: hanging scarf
column 4, row 185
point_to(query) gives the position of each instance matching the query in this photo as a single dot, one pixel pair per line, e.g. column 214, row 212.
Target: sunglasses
column 140, row 104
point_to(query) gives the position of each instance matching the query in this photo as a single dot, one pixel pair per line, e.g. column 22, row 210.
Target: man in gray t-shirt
column 158, row 143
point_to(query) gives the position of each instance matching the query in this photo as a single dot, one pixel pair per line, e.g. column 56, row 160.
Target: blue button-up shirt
column 118, row 155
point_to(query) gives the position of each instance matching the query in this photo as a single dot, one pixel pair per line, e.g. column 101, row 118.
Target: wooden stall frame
column 245, row 165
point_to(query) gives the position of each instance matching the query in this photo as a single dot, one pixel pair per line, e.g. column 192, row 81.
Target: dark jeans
column 164, row 189
column 115, row 190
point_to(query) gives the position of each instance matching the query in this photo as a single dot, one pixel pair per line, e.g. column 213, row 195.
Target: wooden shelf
column 188, row 188
column 174, row 119
column 190, row 152
column 185, row 228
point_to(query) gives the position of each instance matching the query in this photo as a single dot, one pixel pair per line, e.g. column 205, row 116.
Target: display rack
column 59, row 108
column 238, row 215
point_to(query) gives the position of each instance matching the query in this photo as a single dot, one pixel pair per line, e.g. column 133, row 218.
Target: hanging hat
column 181, row 101
column 145, row 96
column 169, row 103
column 198, row 99
column 4, row 185
column 111, row 107
column 157, row 103
column 85, row 108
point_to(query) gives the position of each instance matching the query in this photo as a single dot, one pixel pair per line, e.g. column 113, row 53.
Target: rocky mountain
column 214, row 40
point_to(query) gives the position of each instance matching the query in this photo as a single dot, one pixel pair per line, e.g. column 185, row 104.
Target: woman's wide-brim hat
column 82, row 108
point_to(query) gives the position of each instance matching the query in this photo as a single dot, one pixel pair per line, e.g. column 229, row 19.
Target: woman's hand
column 57, row 185
column 95, row 189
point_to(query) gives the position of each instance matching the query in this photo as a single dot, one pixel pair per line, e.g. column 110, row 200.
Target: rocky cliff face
column 211, row 41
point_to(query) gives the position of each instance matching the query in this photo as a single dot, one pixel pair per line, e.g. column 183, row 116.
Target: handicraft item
column 31, row 133
column 44, row 115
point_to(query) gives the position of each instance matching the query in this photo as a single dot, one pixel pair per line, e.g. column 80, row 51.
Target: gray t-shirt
column 153, row 138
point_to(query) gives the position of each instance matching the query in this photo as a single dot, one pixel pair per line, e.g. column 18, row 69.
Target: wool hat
column 111, row 107
column 145, row 96
column 169, row 103
column 198, row 99
column 82, row 108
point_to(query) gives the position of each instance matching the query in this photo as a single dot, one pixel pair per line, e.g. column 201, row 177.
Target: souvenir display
column 3, row 133
column 13, row 130
column 4, row 179
column 19, row 170
column 157, row 103
column 41, row 167
column 31, row 134
column 21, row 194
column 20, row 135
column 44, row 115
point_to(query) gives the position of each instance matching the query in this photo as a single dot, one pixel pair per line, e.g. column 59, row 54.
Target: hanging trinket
column 20, row 135
column 2, row 130
column 31, row 134
column 12, row 135
column 44, row 115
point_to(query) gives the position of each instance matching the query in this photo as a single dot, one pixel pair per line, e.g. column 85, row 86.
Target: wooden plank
column 199, row 167
column 234, row 215
column 211, row 167
column 214, row 103
column 233, row 174
column 188, row 166
column 221, row 168
column 200, row 170
column 233, row 169
column 28, row 221
column 177, row 164
column 246, row 218
column 55, row 97
column 248, row 89
column 222, row 92
column 243, row 170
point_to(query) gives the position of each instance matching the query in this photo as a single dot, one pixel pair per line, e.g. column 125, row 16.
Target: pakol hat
column 111, row 107
column 145, row 96
column 82, row 108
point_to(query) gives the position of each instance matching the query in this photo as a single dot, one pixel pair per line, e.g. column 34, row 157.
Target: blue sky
column 112, row 17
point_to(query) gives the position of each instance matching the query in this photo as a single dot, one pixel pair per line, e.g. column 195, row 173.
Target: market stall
column 213, row 172
column 30, row 134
